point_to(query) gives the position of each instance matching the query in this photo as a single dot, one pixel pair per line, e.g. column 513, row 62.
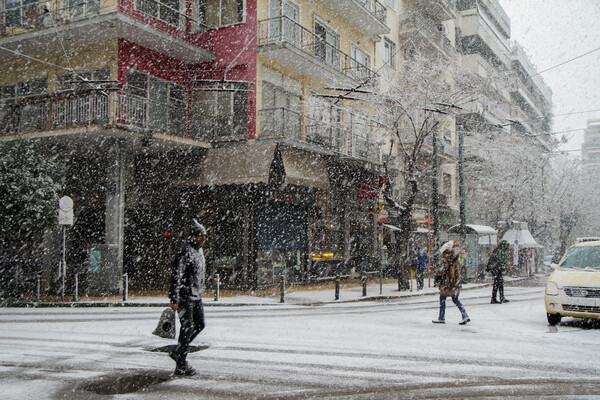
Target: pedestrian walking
column 422, row 260
column 185, row 294
column 497, row 265
column 450, row 283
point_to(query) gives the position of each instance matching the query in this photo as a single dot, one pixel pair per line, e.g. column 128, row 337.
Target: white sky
column 552, row 32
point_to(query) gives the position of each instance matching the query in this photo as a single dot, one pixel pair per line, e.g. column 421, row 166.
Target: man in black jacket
column 185, row 293
column 496, row 266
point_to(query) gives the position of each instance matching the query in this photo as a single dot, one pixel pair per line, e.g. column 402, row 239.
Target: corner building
column 224, row 109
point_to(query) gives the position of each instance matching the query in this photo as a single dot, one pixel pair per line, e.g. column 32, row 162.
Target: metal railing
column 48, row 14
column 276, row 122
column 282, row 123
column 71, row 109
column 285, row 30
column 428, row 29
column 376, row 8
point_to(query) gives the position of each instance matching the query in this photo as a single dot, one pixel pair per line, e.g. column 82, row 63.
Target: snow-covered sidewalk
column 350, row 291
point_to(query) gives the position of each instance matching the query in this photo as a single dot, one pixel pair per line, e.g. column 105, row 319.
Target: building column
column 115, row 214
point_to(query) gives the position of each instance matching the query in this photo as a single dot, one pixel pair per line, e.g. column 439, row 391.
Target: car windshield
column 585, row 257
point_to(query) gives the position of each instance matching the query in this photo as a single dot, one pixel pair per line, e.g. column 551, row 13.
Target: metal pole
column 337, row 287
column 461, row 185
column 364, row 283
column 38, row 288
column 217, row 282
column 64, row 263
column 75, row 293
column 462, row 195
column 125, row 286
column 282, row 289
column 436, row 205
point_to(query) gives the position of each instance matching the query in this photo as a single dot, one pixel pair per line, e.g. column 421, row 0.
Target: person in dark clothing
column 185, row 293
column 422, row 260
column 496, row 266
column 450, row 283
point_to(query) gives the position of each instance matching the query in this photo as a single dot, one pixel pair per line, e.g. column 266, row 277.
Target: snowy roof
column 478, row 229
column 525, row 238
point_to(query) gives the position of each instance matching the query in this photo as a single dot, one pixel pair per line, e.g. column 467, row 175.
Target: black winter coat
column 497, row 262
column 187, row 275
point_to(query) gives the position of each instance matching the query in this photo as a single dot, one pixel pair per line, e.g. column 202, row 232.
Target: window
column 165, row 10
column 389, row 53
column 220, row 112
column 78, row 81
column 164, row 102
column 18, row 12
column 217, row 13
column 281, row 112
column 28, row 116
column 326, row 45
column 447, row 184
column 391, row 3
column 324, row 126
column 359, row 64
column 283, row 22
column 360, row 135
column 82, row 9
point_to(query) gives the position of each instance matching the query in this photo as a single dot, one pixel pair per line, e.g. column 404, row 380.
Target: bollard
column 337, row 287
column 411, row 280
column 364, row 284
column 125, row 286
column 75, row 293
column 37, row 289
column 282, row 289
column 217, row 287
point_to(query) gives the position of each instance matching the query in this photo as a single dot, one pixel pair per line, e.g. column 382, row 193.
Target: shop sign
column 365, row 191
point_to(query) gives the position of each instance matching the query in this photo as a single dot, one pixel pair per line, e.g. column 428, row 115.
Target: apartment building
column 224, row 109
column 591, row 149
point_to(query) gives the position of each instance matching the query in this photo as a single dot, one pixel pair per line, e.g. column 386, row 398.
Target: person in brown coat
column 450, row 284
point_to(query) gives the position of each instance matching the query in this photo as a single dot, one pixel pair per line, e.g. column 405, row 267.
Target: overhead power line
column 568, row 61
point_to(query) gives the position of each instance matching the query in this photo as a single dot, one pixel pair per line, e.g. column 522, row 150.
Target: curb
column 71, row 304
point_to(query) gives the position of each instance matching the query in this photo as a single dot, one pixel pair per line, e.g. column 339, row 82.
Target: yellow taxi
column 573, row 289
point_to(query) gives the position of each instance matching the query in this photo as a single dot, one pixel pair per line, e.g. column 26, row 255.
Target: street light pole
column 435, row 204
column 461, row 183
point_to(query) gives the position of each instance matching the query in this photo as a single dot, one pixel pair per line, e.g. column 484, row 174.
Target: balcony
column 290, row 44
column 47, row 25
column 415, row 23
column 71, row 112
column 368, row 16
column 439, row 10
column 336, row 139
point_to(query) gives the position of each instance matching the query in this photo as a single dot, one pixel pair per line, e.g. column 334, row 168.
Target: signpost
column 65, row 217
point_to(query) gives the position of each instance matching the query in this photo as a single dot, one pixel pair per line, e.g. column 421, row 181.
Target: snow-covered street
column 372, row 349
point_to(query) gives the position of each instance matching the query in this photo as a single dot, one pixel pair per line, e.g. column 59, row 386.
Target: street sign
column 383, row 216
column 65, row 211
column 95, row 260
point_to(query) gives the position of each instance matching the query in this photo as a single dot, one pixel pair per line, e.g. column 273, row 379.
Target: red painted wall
column 234, row 48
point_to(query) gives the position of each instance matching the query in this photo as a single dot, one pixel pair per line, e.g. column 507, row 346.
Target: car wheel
column 553, row 319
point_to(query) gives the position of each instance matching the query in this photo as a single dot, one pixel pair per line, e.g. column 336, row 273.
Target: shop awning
column 304, row 168
column 251, row 163
column 236, row 165
column 486, row 234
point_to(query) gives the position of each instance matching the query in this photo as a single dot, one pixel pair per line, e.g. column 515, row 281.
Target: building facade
column 247, row 114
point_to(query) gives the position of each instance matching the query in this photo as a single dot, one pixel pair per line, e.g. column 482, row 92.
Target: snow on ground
column 308, row 347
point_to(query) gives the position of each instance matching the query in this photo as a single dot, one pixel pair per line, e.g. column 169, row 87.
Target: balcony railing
column 71, row 110
column 376, row 8
column 282, row 123
column 47, row 14
column 283, row 29
column 415, row 20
